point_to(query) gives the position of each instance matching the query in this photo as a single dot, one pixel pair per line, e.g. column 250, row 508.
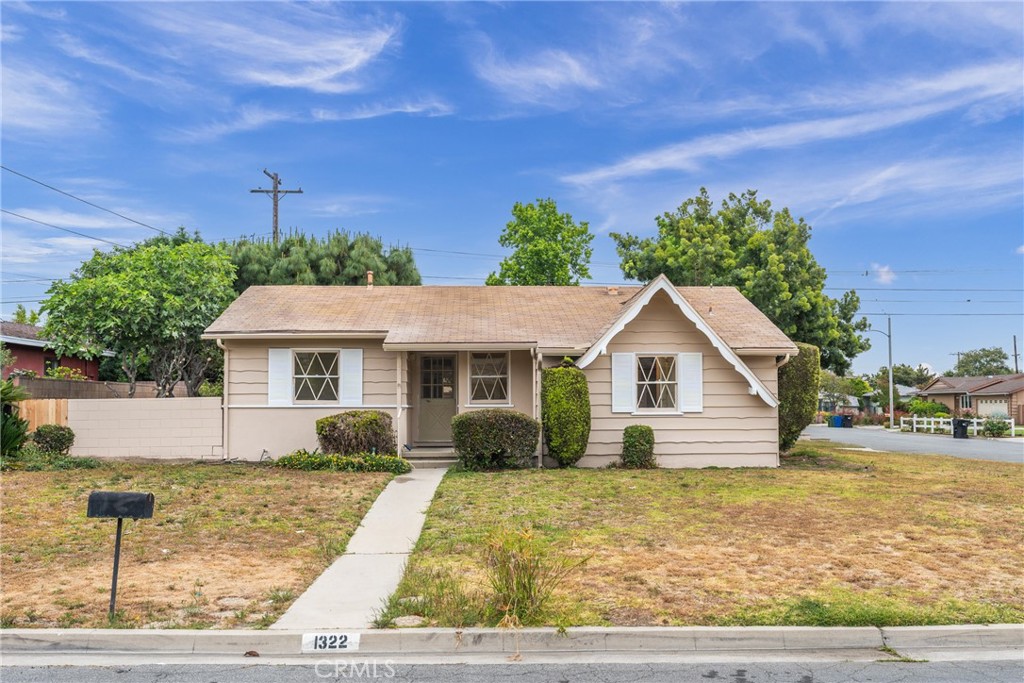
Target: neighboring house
column 31, row 353
column 995, row 394
column 838, row 403
column 698, row 364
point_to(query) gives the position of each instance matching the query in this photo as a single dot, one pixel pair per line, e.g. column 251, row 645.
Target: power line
column 84, row 201
column 919, row 289
column 57, row 227
column 943, row 301
column 1017, row 315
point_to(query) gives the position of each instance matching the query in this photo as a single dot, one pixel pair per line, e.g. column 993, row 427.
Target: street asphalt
column 1005, row 671
column 879, row 439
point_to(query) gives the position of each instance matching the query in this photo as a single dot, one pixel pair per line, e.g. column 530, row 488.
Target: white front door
column 437, row 398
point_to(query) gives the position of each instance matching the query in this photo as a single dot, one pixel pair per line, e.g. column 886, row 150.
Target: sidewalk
column 354, row 587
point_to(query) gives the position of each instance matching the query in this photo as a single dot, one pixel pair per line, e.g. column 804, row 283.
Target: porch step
column 430, row 458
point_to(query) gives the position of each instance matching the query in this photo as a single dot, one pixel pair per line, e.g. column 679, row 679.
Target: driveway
column 880, row 439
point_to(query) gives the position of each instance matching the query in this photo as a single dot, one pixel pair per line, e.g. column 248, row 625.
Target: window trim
column 337, row 378
column 637, row 409
column 507, row 400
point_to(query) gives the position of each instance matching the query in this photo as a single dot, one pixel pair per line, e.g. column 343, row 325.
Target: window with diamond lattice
column 488, row 377
column 316, row 375
column 656, row 383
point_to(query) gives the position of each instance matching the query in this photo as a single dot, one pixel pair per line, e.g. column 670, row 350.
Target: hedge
column 798, row 394
column 54, row 438
column 356, row 431
column 494, row 439
column 638, row 447
column 565, row 407
column 359, row 462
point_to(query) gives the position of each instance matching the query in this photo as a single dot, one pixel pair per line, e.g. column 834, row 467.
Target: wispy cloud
column 315, row 47
column 543, row 77
column 342, row 205
column 920, row 99
column 42, row 103
column 248, row 118
column 884, row 275
column 426, row 107
column 1020, row 249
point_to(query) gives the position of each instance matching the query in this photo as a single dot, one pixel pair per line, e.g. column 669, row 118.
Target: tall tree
column 907, row 375
column 762, row 252
column 337, row 259
column 981, row 362
column 147, row 304
column 550, row 248
column 24, row 316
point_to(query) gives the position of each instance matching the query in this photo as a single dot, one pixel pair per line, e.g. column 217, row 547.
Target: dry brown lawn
column 833, row 537
column 228, row 545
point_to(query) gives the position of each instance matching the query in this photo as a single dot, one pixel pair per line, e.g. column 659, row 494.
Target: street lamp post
column 892, row 408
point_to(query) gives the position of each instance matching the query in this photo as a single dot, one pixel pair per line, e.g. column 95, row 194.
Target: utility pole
column 957, row 354
column 892, row 407
column 1016, row 356
column 275, row 194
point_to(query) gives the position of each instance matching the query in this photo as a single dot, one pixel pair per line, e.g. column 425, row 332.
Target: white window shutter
column 351, row 390
column 691, row 382
column 279, row 377
column 623, row 382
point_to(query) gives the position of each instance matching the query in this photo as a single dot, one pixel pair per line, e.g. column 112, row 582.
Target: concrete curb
column 538, row 640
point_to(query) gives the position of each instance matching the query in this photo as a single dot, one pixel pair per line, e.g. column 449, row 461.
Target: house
column 30, row 351
column 991, row 395
column 698, row 364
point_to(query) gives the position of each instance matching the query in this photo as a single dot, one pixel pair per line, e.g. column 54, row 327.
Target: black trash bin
column 848, row 421
column 960, row 428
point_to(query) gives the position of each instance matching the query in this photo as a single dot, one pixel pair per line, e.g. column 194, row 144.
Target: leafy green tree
column 762, row 252
column 798, row 394
column 7, row 359
column 550, row 248
column 907, row 375
column 147, row 304
column 981, row 362
column 25, row 316
column 337, row 259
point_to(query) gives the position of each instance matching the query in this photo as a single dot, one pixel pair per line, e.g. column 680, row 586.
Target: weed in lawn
column 436, row 595
column 523, row 574
column 328, row 547
column 279, row 596
column 7, row 621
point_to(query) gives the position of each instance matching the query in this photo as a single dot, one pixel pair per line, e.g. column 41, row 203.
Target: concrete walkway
column 354, row 587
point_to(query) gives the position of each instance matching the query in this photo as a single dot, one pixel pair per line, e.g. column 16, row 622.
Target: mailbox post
column 119, row 504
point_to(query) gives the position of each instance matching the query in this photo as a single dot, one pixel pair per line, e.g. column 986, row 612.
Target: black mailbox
column 120, row 504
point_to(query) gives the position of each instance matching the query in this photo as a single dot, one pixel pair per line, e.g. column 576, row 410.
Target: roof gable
column 637, row 304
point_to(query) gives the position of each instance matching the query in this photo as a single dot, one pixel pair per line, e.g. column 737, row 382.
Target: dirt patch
column 228, row 545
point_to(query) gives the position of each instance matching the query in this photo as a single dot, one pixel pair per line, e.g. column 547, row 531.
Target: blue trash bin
column 837, row 420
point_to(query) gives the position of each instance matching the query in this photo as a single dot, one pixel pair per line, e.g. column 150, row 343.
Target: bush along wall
column 358, row 462
column 638, row 447
column 357, row 431
column 565, row 407
column 494, row 439
column 798, row 394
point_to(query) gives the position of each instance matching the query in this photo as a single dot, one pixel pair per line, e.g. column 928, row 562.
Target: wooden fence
column 47, row 387
column 44, row 411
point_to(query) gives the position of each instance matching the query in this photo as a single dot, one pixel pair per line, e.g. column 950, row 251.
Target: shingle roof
column 970, row 385
column 1009, row 384
column 21, row 331
column 549, row 317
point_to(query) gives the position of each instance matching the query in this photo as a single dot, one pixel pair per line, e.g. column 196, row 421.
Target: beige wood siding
column 734, row 429
column 247, row 372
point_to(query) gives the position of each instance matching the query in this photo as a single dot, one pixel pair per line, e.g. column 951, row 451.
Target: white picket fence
column 944, row 425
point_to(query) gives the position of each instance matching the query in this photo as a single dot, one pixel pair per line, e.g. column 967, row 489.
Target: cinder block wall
column 146, row 428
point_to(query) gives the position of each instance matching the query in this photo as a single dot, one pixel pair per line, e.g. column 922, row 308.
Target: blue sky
column 894, row 129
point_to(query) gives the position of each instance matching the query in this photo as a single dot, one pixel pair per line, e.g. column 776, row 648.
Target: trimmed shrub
column 54, row 438
column 565, row 406
column 358, row 462
column 638, row 447
column 356, row 431
column 494, row 439
column 994, row 426
column 798, row 394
